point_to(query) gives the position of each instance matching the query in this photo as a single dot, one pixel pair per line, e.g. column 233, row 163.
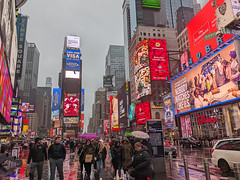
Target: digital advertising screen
column 122, row 107
column 25, row 107
column 184, row 60
column 71, row 104
column 56, row 98
column 168, row 111
column 57, row 124
column 211, row 82
column 132, row 112
column 158, row 59
column 143, row 112
column 107, row 81
column 82, row 99
column 151, row 4
column 143, row 82
column 72, row 74
column 31, row 108
column 73, row 59
column 114, row 115
column 186, row 126
column 55, row 113
column 204, row 23
column 73, row 41
column 5, row 88
column 73, row 120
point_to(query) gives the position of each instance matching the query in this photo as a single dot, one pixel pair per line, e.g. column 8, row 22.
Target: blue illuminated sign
column 73, row 59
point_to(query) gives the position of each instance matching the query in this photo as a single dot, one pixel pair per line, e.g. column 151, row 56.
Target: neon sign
column 203, row 120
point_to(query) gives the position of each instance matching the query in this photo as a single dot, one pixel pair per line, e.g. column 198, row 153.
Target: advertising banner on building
column 122, row 105
column 82, row 99
column 184, row 60
column 151, row 4
column 111, row 93
column 5, row 88
column 57, row 124
column 21, row 44
column 114, row 115
column 168, row 111
column 5, row 129
column 73, row 120
column 132, row 113
column 73, row 59
column 107, row 81
column 186, row 126
column 71, row 104
column 56, row 98
column 142, row 70
column 143, row 112
column 211, row 82
column 203, row 24
column 73, row 41
column 158, row 59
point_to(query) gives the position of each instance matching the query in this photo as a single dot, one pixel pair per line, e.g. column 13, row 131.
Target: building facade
column 48, row 82
column 184, row 16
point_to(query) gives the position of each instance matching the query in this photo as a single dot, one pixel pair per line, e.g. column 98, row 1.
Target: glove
column 95, row 158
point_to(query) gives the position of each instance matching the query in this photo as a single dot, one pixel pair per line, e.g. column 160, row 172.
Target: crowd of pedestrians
column 128, row 158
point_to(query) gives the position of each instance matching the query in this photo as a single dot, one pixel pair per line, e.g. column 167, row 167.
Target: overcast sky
column 98, row 23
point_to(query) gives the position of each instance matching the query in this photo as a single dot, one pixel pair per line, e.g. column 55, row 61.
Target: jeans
column 59, row 164
column 39, row 166
column 88, row 168
column 100, row 165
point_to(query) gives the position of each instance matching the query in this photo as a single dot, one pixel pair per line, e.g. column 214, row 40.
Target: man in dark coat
column 141, row 163
column 127, row 153
column 37, row 154
column 56, row 154
column 117, row 157
column 81, row 158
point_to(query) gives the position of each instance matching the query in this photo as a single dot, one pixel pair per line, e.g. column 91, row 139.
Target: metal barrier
column 186, row 167
column 206, row 167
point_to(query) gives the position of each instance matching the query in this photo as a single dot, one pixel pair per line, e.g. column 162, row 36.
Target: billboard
column 73, row 41
column 57, row 124
column 184, row 60
column 186, row 127
column 107, row 81
column 142, row 70
column 56, row 98
column 72, row 74
column 73, row 59
column 71, row 104
column 21, row 43
column 168, row 111
column 151, row 4
column 5, row 129
column 55, row 113
column 73, row 120
column 111, row 93
column 204, row 23
column 132, row 113
column 25, row 107
column 211, row 82
column 82, row 99
column 114, row 114
column 158, row 59
column 143, row 112
column 5, row 88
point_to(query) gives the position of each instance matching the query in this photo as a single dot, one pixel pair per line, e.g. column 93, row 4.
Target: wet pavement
column 195, row 158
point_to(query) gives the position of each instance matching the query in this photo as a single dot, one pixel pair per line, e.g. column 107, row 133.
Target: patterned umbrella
column 140, row 134
column 88, row 136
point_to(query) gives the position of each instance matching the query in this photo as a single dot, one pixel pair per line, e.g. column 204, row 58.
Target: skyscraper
column 115, row 65
column 184, row 16
column 28, row 82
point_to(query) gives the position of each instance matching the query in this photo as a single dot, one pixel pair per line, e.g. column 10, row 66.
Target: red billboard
column 143, row 112
column 204, row 23
column 71, row 104
column 6, row 92
column 158, row 59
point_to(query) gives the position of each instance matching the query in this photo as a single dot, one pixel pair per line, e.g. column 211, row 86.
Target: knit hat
column 233, row 54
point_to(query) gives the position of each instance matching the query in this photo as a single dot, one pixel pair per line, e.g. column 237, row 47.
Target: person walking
column 56, row 154
column 141, row 163
column 127, row 154
column 72, row 147
column 101, row 156
column 81, row 158
column 37, row 154
column 89, row 155
column 117, row 157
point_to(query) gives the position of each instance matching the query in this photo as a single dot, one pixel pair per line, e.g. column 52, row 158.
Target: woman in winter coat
column 89, row 150
column 101, row 156
column 116, row 155
column 141, row 163
column 127, row 153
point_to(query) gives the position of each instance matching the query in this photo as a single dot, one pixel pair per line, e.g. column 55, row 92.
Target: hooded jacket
column 127, row 152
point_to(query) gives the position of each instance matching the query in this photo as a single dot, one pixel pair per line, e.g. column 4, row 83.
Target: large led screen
column 56, row 98
column 5, row 88
column 186, row 126
column 132, row 111
column 143, row 112
column 72, row 74
column 151, row 3
column 114, row 115
column 168, row 111
column 73, row 59
column 158, row 59
column 143, row 82
column 71, row 104
column 211, row 82
column 73, row 120
column 204, row 23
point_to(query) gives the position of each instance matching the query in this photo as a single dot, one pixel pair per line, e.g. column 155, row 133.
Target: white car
column 225, row 152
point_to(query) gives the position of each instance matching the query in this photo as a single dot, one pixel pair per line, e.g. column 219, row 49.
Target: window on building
column 159, row 35
column 144, row 34
column 154, row 34
column 140, row 39
column 163, row 35
column 157, row 115
column 153, row 29
column 149, row 34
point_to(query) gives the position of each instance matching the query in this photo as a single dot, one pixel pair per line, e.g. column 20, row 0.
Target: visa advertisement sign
column 202, row 25
column 56, row 99
column 73, row 59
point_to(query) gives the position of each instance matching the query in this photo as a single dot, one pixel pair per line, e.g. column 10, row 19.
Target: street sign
column 210, row 36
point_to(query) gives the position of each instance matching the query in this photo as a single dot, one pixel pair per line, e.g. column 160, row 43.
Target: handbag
column 88, row 158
